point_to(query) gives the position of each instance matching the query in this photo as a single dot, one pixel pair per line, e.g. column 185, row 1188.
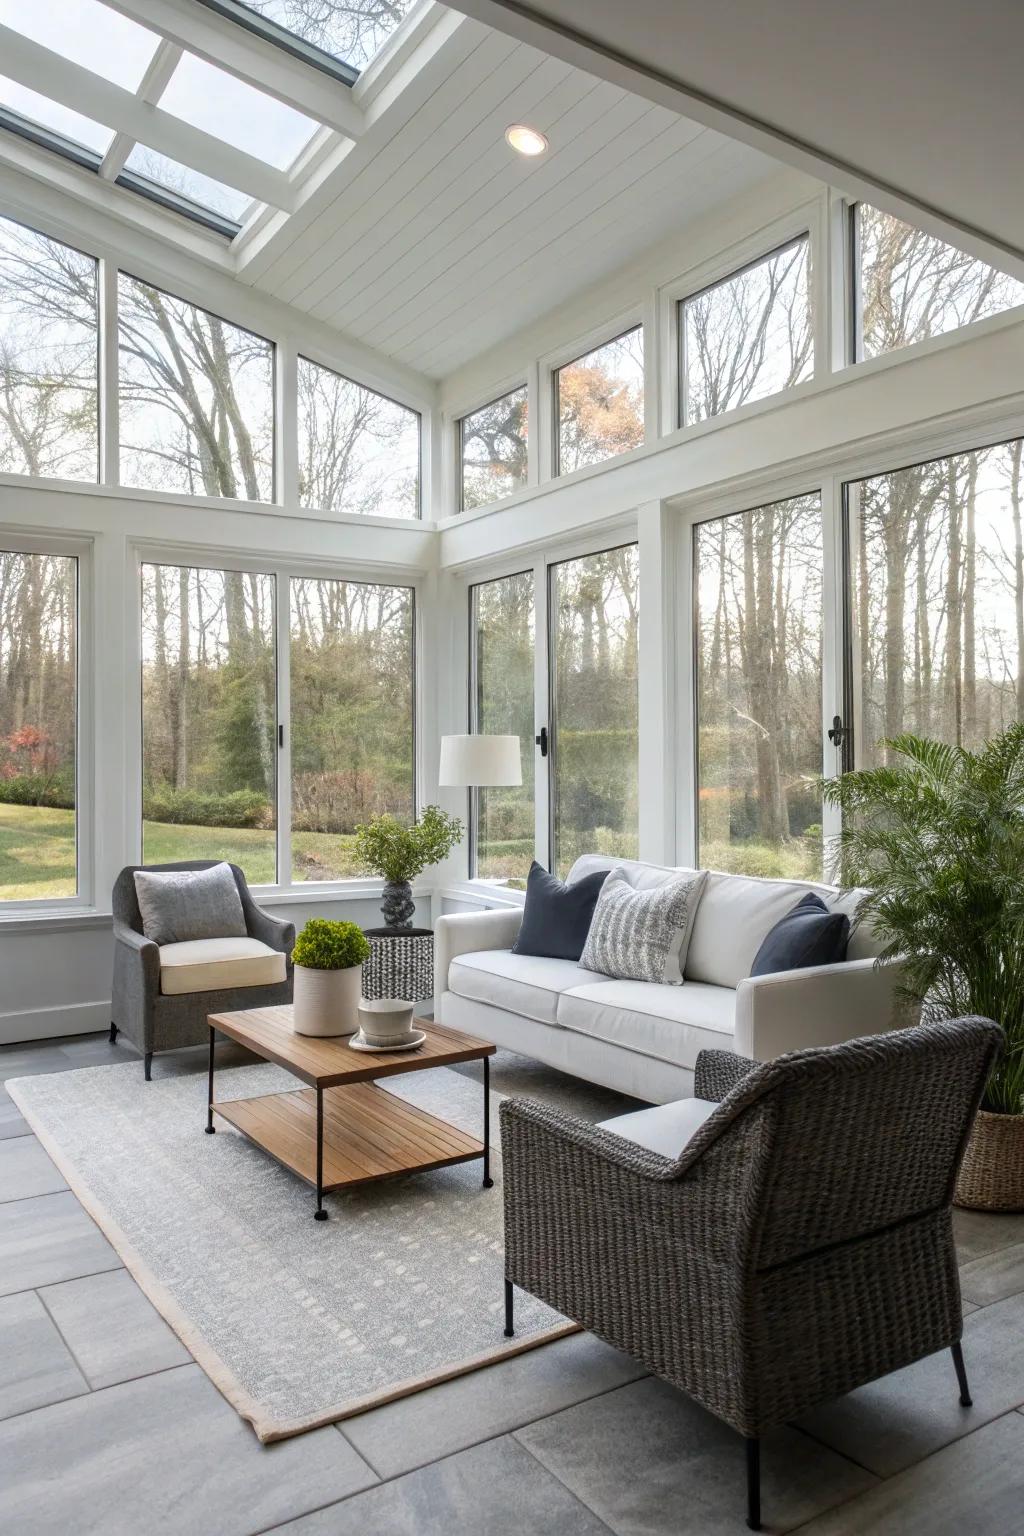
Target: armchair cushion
column 666, row 1128
column 183, row 904
column 211, row 965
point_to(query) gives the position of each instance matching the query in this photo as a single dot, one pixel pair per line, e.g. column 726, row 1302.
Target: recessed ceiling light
column 525, row 141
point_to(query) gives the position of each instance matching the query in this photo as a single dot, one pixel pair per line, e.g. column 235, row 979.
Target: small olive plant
column 324, row 945
column 387, row 847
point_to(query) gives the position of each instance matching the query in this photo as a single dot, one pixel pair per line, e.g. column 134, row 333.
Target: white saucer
column 359, row 1043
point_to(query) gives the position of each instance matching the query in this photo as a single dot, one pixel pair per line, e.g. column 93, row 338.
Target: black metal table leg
column 320, row 1214
column 509, row 1329
column 488, row 1181
column 210, row 1128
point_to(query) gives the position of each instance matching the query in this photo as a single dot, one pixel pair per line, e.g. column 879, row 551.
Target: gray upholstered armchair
column 161, row 1000
column 797, row 1245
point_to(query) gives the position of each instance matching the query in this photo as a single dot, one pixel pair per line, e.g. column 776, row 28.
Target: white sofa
column 640, row 1037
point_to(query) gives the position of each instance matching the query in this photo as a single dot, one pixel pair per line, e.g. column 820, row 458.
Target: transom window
column 749, row 336
column 358, row 450
column 909, row 285
column 599, row 403
column 492, row 450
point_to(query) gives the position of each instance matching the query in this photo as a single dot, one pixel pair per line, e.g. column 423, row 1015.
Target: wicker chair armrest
column 146, row 949
column 543, row 1123
column 717, row 1073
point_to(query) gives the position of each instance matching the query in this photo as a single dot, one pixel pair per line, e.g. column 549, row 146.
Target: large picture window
column 593, row 619
column 910, row 285
column 503, row 638
column 937, row 600
column 38, row 725
column 48, row 357
column 209, row 718
column 352, row 685
column 759, row 689
column 749, row 336
column 358, row 451
column 599, row 403
column 196, row 399
column 492, row 450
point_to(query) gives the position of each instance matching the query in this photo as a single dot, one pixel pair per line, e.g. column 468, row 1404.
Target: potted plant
column 328, row 958
column 937, row 839
column 387, row 847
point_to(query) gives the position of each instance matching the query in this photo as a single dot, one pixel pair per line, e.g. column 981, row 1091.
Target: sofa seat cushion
column 526, row 984
column 666, row 1128
column 209, row 965
column 670, row 1023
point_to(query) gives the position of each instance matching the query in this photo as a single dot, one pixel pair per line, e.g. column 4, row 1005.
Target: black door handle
column 837, row 735
column 542, row 741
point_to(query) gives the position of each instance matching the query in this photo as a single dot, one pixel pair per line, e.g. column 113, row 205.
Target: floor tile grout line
column 571, row 1491
column 22, row 1290
column 40, row 1195
column 499, row 1434
column 61, row 1335
column 912, row 1466
column 94, row 1392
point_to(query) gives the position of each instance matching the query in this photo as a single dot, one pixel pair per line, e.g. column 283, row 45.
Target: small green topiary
column 399, row 853
column 324, row 945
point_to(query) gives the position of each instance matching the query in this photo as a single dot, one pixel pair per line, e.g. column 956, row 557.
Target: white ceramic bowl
column 386, row 1021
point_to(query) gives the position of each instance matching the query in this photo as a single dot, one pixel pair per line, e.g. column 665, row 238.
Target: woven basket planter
column 992, row 1173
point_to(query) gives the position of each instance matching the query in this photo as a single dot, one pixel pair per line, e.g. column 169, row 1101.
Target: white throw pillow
column 642, row 935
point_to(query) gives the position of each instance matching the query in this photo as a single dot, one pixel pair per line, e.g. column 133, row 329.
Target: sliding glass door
column 758, row 677
column 502, row 648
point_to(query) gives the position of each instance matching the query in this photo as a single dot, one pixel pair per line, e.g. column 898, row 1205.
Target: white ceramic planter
column 326, row 1002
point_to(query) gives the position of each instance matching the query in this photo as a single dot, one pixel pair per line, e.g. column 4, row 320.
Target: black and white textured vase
column 397, row 904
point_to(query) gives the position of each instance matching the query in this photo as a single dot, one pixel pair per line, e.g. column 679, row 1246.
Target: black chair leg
column 961, row 1375
column 753, row 1483
column 113, row 1031
column 509, row 1330
column 149, row 1066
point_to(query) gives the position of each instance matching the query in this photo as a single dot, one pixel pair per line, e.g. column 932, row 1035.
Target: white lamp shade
column 477, row 762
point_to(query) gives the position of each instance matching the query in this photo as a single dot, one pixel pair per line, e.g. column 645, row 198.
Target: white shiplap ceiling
column 432, row 241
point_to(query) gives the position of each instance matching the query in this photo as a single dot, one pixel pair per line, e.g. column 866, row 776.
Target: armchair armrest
column 146, row 951
column 272, row 931
column 820, row 1005
column 136, row 984
column 463, row 933
column 717, row 1072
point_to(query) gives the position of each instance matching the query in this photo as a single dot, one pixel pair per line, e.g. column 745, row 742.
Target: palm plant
column 936, row 838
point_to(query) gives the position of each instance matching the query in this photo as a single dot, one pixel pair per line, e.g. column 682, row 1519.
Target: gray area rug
column 299, row 1323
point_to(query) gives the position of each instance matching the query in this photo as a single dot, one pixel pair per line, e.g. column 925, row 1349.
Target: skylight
column 343, row 32
column 88, row 33
column 222, row 105
column 182, row 182
column 52, row 118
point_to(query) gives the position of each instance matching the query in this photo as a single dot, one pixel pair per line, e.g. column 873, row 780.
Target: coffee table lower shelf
column 368, row 1134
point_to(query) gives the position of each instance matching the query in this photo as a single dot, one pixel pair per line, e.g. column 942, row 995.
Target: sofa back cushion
column 641, row 876
column 864, row 942
column 733, row 920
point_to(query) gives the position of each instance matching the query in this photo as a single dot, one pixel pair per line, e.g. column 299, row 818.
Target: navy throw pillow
column 556, row 920
column 809, row 934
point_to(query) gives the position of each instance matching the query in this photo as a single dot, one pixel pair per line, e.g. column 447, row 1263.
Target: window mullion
column 108, row 370
column 284, row 730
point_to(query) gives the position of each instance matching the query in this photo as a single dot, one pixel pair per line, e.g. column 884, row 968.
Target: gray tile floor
column 106, row 1425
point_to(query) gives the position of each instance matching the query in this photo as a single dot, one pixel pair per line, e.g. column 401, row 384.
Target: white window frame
column 622, row 324
column 145, row 552
column 458, row 422
column 23, row 541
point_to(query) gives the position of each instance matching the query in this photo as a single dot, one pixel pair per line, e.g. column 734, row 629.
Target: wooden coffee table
column 344, row 1129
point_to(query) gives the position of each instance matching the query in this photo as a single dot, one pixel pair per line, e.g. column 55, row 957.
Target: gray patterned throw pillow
column 181, row 904
column 642, row 935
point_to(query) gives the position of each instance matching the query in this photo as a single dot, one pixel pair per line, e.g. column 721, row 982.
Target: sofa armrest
column 820, row 1005
column 716, row 1074
column 462, row 933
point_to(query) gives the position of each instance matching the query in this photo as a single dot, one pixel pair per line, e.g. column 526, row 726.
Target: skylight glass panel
column 224, row 106
column 350, row 30
column 50, row 115
column 87, row 33
column 184, row 182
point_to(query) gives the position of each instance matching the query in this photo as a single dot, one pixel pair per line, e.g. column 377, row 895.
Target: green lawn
column 37, row 851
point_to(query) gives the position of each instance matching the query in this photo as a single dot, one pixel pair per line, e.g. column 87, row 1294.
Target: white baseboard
column 46, row 1023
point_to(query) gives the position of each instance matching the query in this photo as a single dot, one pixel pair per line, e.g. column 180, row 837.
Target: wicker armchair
column 154, row 1021
column 799, row 1246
